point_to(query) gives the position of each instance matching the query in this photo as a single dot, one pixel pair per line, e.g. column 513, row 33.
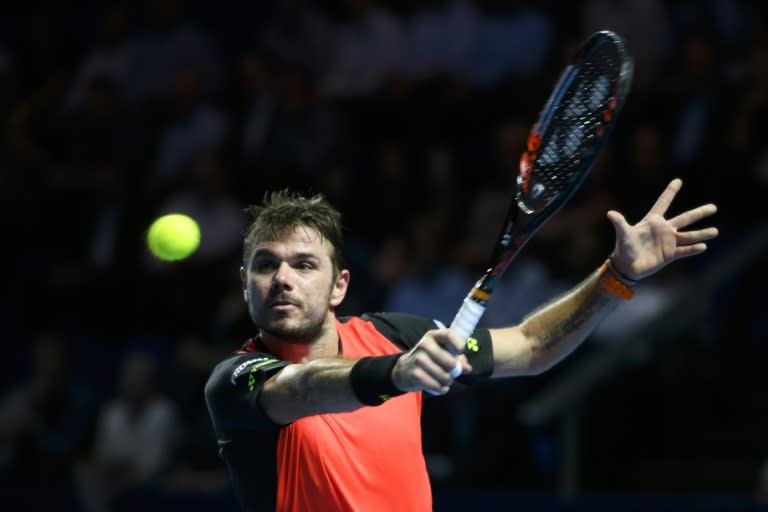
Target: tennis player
column 319, row 412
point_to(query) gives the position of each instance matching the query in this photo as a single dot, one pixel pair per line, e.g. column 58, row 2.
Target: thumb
column 620, row 224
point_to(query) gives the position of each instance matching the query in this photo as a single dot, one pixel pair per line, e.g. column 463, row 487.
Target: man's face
column 290, row 285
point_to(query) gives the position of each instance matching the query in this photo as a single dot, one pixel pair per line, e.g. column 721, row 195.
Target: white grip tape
column 468, row 317
column 465, row 322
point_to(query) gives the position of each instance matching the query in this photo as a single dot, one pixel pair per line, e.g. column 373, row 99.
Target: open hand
column 645, row 248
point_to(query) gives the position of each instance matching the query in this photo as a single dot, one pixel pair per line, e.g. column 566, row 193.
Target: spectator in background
column 391, row 181
column 99, row 149
column 8, row 79
column 698, row 90
column 44, row 425
column 439, row 38
column 441, row 172
column 194, row 126
column 303, row 129
column 114, row 57
column 172, row 44
column 513, row 40
column 134, row 440
column 196, row 466
column 256, row 104
column 367, row 51
column 285, row 129
column 762, row 483
column 298, row 36
column 747, row 135
column 432, row 284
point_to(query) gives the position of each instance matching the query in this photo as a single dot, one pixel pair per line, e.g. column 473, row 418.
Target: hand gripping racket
column 562, row 147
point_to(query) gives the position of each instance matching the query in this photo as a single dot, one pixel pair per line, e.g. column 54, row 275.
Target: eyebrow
column 304, row 256
column 295, row 256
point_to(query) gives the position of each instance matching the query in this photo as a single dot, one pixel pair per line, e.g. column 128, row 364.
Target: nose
column 281, row 279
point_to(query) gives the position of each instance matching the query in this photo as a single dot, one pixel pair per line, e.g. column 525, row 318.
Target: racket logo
column 527, row 159
column 534, row 142
column 609, row 111
column 607, row 116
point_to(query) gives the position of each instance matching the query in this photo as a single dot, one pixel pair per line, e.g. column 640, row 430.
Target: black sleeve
column 232, row 391
column 405, row 331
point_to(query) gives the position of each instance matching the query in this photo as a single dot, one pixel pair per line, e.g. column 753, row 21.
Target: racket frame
column 522, row 222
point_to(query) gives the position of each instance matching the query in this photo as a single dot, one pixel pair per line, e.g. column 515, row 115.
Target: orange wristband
column 612, row 284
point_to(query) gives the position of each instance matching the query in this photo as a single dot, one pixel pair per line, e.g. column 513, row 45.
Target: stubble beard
column 302, row 332
column 298, row 327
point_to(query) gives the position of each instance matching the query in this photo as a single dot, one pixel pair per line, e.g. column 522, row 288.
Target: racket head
column 581, row 112
column 562, row 147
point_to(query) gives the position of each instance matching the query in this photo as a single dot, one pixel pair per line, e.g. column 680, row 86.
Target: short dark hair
column 282, row 211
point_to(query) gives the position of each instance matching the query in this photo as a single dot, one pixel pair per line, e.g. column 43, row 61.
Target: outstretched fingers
column 693, row 237
column 690, row 243
column 665, row 199
column 689, row 250
column 692, row 216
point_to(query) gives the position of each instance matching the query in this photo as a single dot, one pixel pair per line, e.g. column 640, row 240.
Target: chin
column 290, row 332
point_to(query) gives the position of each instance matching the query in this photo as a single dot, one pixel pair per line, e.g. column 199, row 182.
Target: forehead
column 302, row 239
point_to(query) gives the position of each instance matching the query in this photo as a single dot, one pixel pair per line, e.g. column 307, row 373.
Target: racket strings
column 579, row 122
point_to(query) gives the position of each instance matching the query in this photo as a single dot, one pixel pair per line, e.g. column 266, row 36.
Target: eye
column 304, row 265
column 264, row 266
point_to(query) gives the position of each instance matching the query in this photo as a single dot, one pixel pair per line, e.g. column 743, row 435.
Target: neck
column 322, row 345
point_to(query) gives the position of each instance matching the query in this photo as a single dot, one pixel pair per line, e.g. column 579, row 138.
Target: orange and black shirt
column 369, row 459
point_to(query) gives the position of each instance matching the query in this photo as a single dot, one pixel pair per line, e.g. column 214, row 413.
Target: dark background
column 410, row 118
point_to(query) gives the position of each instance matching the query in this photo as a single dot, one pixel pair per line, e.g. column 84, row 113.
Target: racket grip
column 465, row 322
column 468, row 317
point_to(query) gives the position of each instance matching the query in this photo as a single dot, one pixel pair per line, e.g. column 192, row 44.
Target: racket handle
column 468, row 317
column 465, row 322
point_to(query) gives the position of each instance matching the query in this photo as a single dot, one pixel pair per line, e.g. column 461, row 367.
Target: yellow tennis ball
column 173, row 237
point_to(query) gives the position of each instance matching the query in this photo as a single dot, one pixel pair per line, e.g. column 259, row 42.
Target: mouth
column 281, row 305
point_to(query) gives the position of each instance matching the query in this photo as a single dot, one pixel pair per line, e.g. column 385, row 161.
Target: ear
column 339, row 290
column 245, row 285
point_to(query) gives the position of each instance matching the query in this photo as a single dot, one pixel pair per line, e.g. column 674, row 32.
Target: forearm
column 562, row 325
column 318, row 387
column 330, row 385
column 553, row 331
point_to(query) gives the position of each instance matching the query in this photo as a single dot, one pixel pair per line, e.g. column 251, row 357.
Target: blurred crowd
column 408, row 115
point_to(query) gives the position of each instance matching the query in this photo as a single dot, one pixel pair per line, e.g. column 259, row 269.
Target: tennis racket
column 562, row 147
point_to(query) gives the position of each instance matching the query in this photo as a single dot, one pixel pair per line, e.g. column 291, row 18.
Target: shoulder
column 392, row 323
column 232, row 390
column 402, row 329
column 228, row 372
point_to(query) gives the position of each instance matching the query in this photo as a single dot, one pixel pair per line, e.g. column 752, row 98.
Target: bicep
column 513, row 352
